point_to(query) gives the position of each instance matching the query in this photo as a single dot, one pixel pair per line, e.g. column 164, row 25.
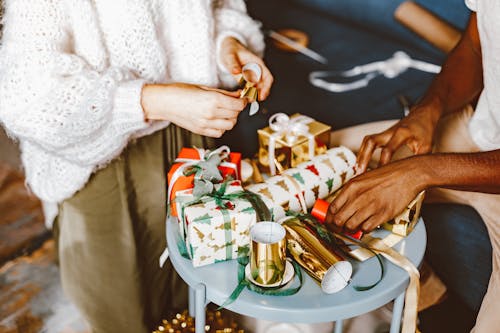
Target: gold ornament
column 216, row 322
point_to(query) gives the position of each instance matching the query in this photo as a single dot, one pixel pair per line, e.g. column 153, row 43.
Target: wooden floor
column 31, row 297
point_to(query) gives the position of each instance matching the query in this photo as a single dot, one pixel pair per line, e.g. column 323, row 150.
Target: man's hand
column 199, row 109
column 416, row 131
column 234, row 56
column 377, row 196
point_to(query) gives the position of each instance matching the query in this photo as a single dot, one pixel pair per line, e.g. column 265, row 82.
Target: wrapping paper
column 214, row 232
column 315, row 179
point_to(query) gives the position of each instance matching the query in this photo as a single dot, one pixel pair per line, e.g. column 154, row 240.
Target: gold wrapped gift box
column 404, row 223
column 290, row 153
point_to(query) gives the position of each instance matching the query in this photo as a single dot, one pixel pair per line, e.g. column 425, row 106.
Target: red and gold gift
column 290, row 141
column 230, row 167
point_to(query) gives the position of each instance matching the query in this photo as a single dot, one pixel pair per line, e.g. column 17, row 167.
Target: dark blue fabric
column 350, row 33
column 378, row 16
column 345, row 45
column 459, row 250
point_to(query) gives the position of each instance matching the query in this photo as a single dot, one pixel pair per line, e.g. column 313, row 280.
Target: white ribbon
column 390, row 68
column 223, row 151
column 291, row 129
column 255, row 68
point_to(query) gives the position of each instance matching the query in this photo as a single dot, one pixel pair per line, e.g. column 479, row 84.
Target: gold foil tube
column 326, row 266
column 308, row 251
column 267, row 253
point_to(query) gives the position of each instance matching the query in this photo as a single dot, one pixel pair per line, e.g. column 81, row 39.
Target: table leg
column 397, row 312
column 199, row 305
column 191, row 302
column 338, row 326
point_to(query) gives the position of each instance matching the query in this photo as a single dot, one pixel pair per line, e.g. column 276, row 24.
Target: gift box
column 404, row 223
column 214, row 228
column 290, row 141
column 230, row 168
column 309, row 181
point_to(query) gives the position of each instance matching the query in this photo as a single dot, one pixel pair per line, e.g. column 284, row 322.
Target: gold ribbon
column 249, row 90
column 412, row 292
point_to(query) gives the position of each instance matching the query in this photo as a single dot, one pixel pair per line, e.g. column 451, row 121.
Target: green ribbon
column 329, row 239
column 243, row 282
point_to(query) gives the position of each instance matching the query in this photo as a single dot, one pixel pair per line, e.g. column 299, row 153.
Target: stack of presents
column 216, row 206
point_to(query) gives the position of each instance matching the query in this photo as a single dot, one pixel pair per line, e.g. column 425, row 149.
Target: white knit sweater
column 71, row 74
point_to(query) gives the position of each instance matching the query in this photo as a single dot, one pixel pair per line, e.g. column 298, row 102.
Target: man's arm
column 461, row 76
column 477, row 172
column 375, row 197
column 458, row 83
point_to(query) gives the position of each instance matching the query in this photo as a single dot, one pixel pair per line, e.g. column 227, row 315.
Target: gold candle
column 267, row 253
column 326, row 266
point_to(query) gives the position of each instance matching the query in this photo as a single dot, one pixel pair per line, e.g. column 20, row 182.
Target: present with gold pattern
column 404, row 223
column 215, row 225
column 290, row 141
column 215, row 166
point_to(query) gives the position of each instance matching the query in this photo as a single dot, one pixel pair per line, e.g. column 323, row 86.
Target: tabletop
column 310, row 304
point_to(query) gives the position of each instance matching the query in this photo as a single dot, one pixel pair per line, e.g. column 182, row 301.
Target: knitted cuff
column 127, row 108
column 240, row 25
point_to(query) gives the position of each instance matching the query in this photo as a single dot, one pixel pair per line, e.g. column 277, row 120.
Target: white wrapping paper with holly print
column 316, row 179
column 214, row 231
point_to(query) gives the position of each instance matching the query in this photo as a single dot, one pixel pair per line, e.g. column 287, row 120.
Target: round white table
column 214, row 283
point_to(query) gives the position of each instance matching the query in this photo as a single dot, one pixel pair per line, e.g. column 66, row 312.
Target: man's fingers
column 372, row 222
column 357, row 220
column 370, row 143
column 394, row 143
column 336, row 206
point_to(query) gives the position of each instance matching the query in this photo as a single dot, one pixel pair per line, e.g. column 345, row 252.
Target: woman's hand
column 234, row 56
column 416, row 131
column 199, row 109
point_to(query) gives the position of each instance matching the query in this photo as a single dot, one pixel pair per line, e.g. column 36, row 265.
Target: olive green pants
column 111, row 234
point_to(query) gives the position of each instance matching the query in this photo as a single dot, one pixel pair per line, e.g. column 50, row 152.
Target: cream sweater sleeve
column 53, row 99
column 231, row 19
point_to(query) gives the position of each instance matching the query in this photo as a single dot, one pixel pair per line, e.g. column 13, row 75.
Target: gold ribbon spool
column 267, row 253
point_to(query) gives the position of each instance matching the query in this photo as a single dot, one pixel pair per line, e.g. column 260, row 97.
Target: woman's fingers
column 265, row 83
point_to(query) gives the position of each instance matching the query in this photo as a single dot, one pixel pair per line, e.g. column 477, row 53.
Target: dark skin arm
column 377, row 196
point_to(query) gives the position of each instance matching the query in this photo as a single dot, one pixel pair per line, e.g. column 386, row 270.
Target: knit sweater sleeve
column 231, row 19
column 53, row 98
